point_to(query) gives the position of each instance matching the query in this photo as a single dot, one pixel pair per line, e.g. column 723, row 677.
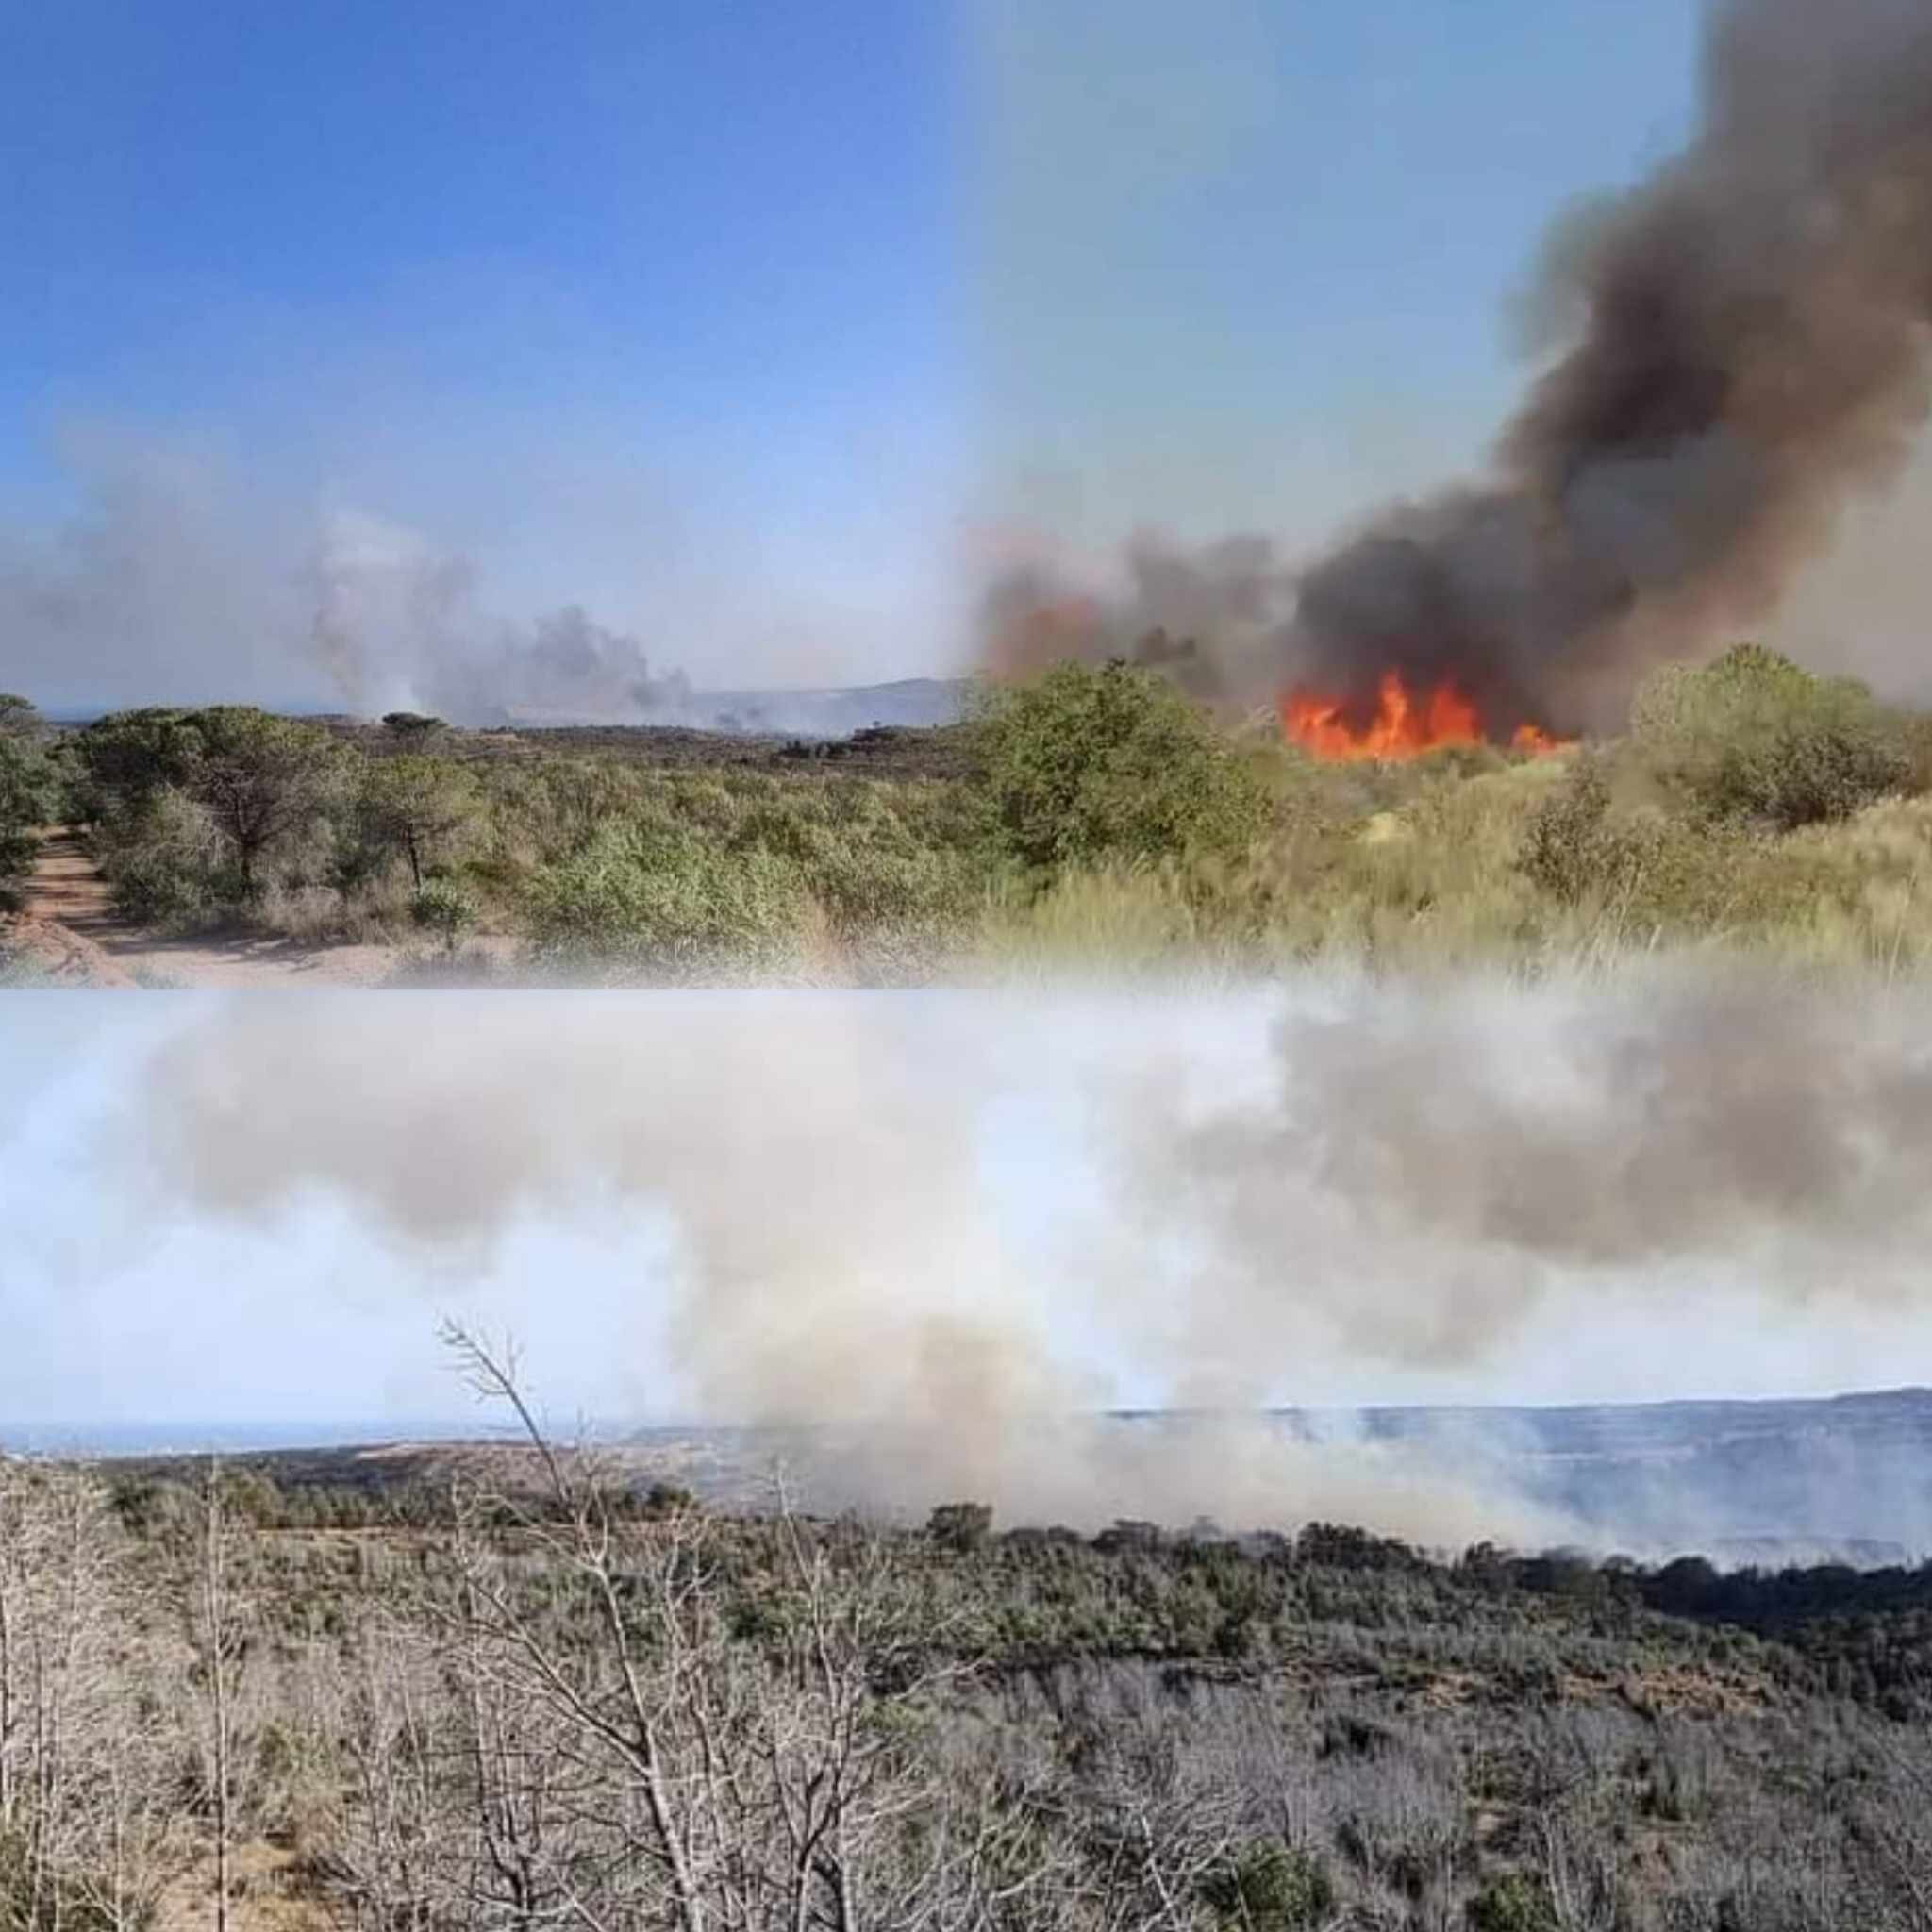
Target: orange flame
column 1400, row 728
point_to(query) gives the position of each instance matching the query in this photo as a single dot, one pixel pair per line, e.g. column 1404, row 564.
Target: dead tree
column 691, row 1773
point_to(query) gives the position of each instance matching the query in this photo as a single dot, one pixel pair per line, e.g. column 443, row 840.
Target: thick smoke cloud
column 1743, row 344
column 1416, row 1179
column 1434, row 1168
column 842, row 1262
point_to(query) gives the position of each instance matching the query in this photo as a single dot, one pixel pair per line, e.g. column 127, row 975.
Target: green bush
column 1270, row 1888
column 1085, row 766
column 1569, row 846
column 444, row 907
column 669, row 907
column 1756, row 738
column 1515, row 1902
column 164, row 862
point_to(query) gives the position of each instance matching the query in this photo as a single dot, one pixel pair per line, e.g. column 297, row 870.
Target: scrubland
column 1092, row 819
column 509, row 1691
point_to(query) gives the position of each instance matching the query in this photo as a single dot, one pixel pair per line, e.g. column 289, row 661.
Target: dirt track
column 68, row 929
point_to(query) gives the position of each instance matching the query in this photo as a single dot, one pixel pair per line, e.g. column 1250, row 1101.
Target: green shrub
column 27, row 800
column 444, row 907
column 164, row 862
column 1514, row 1903
column 1755, row 737
column 1569, row 846
column 1085, row 766
column 1270, row 1888
column 670, row 909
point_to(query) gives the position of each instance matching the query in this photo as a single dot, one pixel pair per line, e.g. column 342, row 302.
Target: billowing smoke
column 1433, row 1169
column 1740, row 343
column 841, row 1265
column 1410, row 1183
column 397, row 626
column 1212, row 618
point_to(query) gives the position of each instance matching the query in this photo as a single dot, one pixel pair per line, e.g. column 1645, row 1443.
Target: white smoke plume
column 398, row 626
column 173, row 585
column 1420, row 1178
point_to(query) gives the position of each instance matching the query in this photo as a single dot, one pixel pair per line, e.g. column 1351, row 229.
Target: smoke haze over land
column 178, row 579
column 1574, row 1189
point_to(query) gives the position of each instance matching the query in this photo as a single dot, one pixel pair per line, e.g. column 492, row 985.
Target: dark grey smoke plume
column 1435, row 1167
column 1747, row 345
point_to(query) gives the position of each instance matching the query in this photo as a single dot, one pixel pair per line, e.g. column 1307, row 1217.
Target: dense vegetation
column 27, row 792
column 532, row 1695
column 1090, row 815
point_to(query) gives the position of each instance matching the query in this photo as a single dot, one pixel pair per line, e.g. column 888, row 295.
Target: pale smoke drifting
column 397, row 626
column 1746, row 345
column 842, row 1262
column 173, row 586
column 1425, row 1177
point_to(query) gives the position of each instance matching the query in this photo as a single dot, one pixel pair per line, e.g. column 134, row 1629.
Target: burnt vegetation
column 499, row 1687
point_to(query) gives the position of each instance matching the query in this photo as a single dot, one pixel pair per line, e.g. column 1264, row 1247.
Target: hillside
column 1846, row 1477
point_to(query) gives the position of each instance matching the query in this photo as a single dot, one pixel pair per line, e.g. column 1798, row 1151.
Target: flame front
column 1400, row 728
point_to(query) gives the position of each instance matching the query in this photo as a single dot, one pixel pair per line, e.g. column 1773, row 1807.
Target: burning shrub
column 1088, row 766
column 1754, row 737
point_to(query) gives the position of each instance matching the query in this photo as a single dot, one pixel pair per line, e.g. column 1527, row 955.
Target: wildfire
column 1400, row 728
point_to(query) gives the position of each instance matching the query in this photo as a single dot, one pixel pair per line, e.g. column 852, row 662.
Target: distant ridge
column 1842, row 1477
column 811, row 711
column 827, row 711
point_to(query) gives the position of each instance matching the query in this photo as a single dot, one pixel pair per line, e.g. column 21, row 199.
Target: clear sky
column 737, row 324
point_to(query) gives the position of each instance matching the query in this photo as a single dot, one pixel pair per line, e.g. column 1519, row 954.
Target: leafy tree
column 417, row 807
column 1086, row 765
column 18, row 717
column 413, row 725
column 260, row 777
column 124, row 758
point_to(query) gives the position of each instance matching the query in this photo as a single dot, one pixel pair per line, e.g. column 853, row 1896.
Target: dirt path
column 67, row 927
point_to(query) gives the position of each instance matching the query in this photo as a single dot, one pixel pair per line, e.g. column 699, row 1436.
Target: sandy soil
column 68, row 929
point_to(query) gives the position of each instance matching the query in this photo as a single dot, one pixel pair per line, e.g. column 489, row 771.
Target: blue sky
column 735, row 323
